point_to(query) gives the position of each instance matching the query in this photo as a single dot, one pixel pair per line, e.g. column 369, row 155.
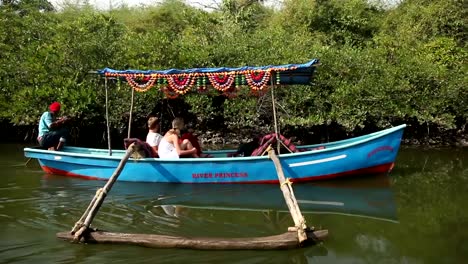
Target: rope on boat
column 82, row 225
column 288, row 193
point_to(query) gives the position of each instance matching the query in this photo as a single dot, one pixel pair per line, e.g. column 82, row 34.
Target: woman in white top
column 170, row 148
column 153, row 138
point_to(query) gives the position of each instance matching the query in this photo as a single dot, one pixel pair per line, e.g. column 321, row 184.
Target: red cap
column 54, row 107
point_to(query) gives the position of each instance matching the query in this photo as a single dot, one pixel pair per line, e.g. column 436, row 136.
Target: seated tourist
column 189, row 134
column 153, row 137
column 171, row 148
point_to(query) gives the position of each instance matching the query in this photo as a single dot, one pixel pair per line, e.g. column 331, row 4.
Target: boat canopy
column 226, row 80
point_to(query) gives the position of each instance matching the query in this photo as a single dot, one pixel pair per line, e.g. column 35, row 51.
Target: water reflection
column 229, row 210
column 361, row 197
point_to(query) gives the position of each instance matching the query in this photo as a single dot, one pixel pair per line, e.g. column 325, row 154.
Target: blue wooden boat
column 372, row 153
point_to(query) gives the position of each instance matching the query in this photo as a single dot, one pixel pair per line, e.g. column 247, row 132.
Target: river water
column 416, row 214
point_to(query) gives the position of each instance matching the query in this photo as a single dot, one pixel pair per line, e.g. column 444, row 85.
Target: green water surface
column 417, row 214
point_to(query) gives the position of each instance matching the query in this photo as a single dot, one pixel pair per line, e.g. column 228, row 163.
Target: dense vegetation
column 380, row 65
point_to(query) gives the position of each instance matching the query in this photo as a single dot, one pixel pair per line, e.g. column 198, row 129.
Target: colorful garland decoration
column 201, row 85
column 221, row 81
column 141, row 87
column 229, row 83
column 180, row 83
column 257, row 80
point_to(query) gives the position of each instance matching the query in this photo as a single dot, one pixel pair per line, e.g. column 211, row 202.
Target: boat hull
column 373, row 153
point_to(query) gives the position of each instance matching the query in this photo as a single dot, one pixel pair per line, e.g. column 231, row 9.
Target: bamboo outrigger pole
column 85, row 221
column 288, row 193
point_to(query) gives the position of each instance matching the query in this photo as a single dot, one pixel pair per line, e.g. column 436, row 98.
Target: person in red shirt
column 190, row 136
column 188, row 133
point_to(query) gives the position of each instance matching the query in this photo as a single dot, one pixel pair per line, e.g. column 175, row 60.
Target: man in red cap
column 52, row 134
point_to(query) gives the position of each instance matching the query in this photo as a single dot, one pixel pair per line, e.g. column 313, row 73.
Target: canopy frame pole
column 131, row 111
column 107, row 117
column 274, row 115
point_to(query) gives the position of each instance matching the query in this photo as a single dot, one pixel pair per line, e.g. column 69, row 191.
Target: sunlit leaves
column 379, row 66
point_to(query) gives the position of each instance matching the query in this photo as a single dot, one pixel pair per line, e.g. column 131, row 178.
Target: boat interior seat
column 270, row 139
column 142, row 149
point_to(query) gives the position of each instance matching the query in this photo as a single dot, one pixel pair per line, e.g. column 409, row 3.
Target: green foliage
column 379, row 66
column 24, row 43
column 248, row 14
column 421, row 20
column 242, row 113
column 337, row 21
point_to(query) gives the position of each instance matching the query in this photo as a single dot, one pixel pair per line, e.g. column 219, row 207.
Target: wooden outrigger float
column 287, row 240
column 298, row 236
